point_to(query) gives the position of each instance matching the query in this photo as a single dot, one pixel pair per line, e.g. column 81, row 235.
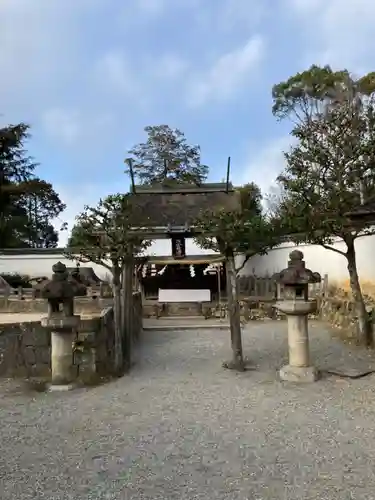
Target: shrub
column 15, row 280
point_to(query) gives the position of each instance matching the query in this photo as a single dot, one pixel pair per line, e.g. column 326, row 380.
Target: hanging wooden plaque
column 178, row 247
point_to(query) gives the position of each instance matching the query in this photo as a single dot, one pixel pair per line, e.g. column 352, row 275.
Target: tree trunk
column 127, row 312
column 116, row 288
column 364, row 325
column 237, row 362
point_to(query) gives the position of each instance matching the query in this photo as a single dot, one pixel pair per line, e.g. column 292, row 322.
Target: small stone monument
column 297, row 306
column 62, row 322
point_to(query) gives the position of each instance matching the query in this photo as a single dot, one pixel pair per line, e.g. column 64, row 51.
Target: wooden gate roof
column 160, row 206
column 364, row 213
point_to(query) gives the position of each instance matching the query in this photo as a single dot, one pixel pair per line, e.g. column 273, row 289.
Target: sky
column 89, row 75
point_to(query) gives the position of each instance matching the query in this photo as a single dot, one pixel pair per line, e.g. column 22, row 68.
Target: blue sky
column 88, row 75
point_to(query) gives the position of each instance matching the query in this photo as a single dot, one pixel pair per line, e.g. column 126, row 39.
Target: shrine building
column 177, row 269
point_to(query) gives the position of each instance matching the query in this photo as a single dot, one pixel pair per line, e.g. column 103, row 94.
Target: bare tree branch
column 327, row 247
column 246, row 259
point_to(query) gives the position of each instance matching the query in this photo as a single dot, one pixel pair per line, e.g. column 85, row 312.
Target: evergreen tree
column 166, row 157
column 27, row 203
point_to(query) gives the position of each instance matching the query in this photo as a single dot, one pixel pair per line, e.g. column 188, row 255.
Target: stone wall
column 94, row 351
column 339, row 312
column 83, row 305
column 25, row 348
column 251, row 309
column 172, row 309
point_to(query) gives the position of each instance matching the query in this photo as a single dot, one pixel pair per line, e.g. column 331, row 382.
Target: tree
column 273, row 200
column 43, row 204
column 330, row 170
column 18, row 186
column 103, row 235
column 166, row 157
column 15, row 169
column 244, row 231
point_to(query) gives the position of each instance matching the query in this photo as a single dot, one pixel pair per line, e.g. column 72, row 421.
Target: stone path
column 181, row 322
column 180, row 427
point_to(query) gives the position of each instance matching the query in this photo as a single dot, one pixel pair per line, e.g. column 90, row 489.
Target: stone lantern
column 63, row 323
column 296, row 304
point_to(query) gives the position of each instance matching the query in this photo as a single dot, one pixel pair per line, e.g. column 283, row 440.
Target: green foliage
column 331, row 168
column 166, row 158
column 251, row 198
column 42, row 205
column 102, row 234
column 307, row 94
column 245, row 230
column 27, row 203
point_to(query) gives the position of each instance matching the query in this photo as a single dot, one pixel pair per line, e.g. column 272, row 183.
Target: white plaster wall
column 41, row 265
column 163, row 247
column 318, row 259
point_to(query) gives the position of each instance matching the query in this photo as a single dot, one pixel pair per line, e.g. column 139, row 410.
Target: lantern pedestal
column 299, row 374
column 63, row 335
column 299, row 368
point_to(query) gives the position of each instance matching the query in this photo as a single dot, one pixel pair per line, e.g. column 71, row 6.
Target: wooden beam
column 218, row 187
column 129, row 162
column 228, row 174
column 193, row 259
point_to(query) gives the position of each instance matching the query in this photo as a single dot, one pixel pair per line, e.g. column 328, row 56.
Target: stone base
column 61, row 323
column 299, row 374
column 61, row 388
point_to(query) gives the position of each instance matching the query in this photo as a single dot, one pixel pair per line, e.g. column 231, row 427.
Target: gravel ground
column 180, row 427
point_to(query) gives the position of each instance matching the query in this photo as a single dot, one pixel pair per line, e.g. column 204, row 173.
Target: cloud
column 72, row 127
column 115, row 71
column 62, row 124
column 231, row 71
column 145, row 79
column 266, row 164
column 231, row 15
column 338, row 32
column 56, row 49
column 221, row 16
column 170, row 67
column 75, row 205
column 35, row 41
column 151, row 7
column 89, row 194
column 90, row 74
column 43, row 55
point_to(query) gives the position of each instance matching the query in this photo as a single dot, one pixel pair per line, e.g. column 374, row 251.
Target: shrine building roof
column 364, row 212
column 161, row 206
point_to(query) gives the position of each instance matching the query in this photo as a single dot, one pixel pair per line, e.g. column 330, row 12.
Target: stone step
column 184, row 323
